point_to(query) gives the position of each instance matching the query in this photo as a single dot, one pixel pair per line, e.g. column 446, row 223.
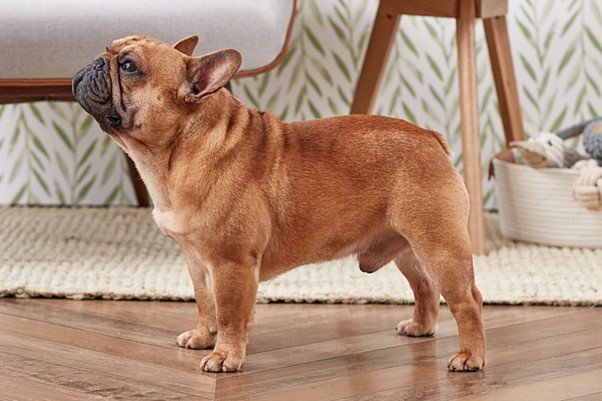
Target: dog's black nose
column 76, row 80
column 112, row 117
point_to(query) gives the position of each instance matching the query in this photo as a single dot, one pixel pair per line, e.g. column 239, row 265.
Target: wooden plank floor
column 78, row 350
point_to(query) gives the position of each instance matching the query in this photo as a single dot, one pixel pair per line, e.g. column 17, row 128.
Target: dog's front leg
column 235, row 289
column 203, row 336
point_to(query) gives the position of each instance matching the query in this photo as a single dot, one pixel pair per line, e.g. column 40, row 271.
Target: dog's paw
column 196, row 339
column 222, row 361
column 412, row 329
column 466, row 362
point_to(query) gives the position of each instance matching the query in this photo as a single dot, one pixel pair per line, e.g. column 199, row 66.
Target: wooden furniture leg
column 139, row 188
column 469, row 121
column 498, row 42
column 375, row 61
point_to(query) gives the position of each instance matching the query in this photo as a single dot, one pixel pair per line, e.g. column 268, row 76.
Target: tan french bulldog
column 248, row 196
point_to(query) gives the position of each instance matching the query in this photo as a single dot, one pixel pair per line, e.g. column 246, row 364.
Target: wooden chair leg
column 469, row 121
column 139, row 188
column 375, row 61
column 498, row 42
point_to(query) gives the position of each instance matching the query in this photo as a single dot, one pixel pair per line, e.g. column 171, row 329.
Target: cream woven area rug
column 118, row 253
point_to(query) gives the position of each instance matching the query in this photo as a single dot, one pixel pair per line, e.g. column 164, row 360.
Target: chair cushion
column 54, row 38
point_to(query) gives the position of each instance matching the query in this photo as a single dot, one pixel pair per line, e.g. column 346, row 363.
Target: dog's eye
column 550, row 143
column 128, row 66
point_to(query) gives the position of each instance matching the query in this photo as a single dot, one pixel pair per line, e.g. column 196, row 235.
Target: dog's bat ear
column 186, row 45
column 211, row 72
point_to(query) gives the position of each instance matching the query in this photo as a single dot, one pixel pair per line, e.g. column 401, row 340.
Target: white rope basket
column 538, row 206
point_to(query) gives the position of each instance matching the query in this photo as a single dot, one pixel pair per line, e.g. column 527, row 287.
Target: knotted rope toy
column 587, row 189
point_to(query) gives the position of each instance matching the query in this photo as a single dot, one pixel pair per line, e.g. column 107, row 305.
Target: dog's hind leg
column 449, row 263
column 438, row 234
column 426, row 297
column 386, row 247
column 445, row 254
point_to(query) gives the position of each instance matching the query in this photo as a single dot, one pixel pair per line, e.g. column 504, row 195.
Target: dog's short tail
column 441, row 139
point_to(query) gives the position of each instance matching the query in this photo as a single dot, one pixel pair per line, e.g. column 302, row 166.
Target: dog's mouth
column 92, row 87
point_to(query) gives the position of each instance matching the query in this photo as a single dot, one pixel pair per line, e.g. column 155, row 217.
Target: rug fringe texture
column 119, row 253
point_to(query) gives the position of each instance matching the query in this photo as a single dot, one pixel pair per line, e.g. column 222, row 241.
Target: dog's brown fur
column 248, row 196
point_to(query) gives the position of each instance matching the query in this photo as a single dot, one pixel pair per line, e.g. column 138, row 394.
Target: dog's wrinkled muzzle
column 92, row 89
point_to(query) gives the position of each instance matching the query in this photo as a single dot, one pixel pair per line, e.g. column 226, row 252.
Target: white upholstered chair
column 43, row 43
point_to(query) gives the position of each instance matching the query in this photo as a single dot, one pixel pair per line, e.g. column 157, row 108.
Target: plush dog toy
column 248, row 196
column 545, row 150
column 592, row 137
column 587, row 189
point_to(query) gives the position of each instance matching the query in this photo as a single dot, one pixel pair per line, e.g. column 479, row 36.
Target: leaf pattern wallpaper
column 54, row 153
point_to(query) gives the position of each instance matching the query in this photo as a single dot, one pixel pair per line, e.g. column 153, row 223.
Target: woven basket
column 538, row 206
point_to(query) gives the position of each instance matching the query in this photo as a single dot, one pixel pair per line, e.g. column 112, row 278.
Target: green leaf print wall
column 54, row 153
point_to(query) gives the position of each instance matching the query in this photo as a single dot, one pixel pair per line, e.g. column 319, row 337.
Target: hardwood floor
column 78, row 350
